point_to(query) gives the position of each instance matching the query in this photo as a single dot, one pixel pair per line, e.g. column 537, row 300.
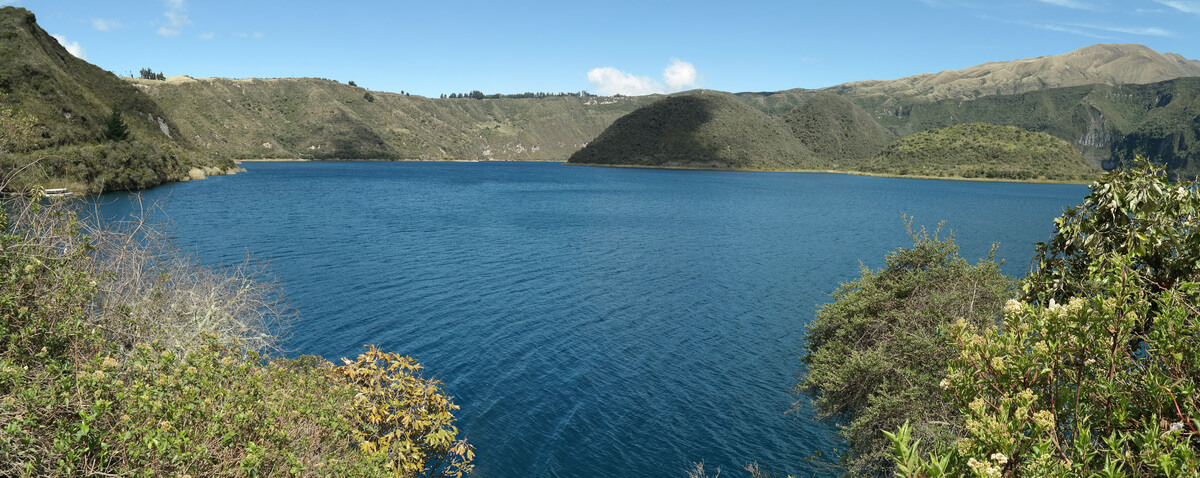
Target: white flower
column 1012, row 307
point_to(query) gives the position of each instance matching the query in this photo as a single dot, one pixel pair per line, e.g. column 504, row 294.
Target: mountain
column 836, row 129
column 1108, row 124
column 701, row 129
column 322, row 119
column 55, row 109
column 1104, row 64
column 980, row 150
column 69, row 103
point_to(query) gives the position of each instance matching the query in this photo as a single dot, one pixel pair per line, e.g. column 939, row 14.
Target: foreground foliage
column 1104, row 385
column 1057, row 390
column 87, row 391
column 1136, row 212
column 875, row 354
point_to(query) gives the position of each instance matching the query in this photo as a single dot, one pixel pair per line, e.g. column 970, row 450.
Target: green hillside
column 55, row 110
column 323, row 119
column 698, row 130
column 980, row 150
column 1108, row 124
column 836, row 129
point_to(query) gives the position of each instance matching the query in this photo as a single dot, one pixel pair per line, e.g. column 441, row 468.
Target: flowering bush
column 1076, row 389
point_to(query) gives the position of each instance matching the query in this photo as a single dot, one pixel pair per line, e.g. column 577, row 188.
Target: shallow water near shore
column 589, row 321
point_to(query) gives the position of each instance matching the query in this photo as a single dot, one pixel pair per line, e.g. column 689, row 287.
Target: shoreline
column 839, row 171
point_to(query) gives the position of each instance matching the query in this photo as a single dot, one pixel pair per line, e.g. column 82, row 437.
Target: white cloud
column 106, row 25
column 611, row 81
column 677, row 76
column 176, row 16
column 1148, row 31
column 73, row 47
column 1186, row 6
column 207, row 36
column 1069, row 4
column 1101, row 32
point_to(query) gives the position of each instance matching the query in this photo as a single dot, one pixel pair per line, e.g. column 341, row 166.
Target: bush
column 875, row 354
column 1057, row 390
column 1104, row 385
column 404, row 418
column 1134, row 211
column 106, row 368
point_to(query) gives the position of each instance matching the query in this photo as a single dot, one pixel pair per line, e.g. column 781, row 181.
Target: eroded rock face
column 1096, row 142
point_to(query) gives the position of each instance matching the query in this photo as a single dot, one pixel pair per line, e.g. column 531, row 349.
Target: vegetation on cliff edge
column 117, row 360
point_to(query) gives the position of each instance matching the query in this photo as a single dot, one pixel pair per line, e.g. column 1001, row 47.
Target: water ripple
column 589, row 321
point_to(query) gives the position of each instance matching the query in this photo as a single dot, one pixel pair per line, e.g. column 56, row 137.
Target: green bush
column 1096, row 375
column 874, row 355
column 106, row 374
column 1133, row 211
column 1057, row 390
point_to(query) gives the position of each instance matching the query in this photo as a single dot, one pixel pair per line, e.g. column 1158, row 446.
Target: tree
column 148, row 74
column 351, row 83
column 875, row 354
column 115, row 129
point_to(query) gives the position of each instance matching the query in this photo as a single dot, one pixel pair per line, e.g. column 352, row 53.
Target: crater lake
column 589, row 321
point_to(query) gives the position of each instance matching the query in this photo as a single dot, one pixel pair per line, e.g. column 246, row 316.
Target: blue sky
column 631, row 47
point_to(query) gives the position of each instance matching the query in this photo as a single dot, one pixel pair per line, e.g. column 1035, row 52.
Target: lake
column 589, row 321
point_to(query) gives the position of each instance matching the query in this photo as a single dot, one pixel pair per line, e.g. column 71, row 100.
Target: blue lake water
column 589, row 321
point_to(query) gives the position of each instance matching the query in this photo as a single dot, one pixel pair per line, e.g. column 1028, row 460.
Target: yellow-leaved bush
column 404, row 418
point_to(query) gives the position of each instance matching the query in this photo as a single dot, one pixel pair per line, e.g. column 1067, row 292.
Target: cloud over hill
column 679, row 75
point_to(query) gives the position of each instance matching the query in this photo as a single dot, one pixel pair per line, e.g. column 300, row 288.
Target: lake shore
column 836, row 171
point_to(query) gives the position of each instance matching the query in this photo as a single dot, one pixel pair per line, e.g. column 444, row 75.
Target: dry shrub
column 148, row 290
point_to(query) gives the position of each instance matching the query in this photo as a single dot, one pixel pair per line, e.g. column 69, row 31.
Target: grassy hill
column 980, row 150
column 323, row 119
column 55, row 108
column 836, row 129
column 700, row 129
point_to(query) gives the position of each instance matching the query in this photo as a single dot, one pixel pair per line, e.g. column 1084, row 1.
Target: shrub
column 404, row 418
column 1057, row 390
column 106, row 369
column 875, row 354
column 1104, row 385
column 1134, row 211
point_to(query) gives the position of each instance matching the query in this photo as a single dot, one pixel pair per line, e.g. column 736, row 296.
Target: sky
column 618, row 46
